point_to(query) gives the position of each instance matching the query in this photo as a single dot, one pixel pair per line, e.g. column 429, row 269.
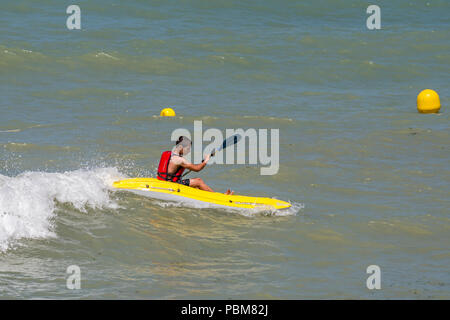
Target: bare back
column 175, row 162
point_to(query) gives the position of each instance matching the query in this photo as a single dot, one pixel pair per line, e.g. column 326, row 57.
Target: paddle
column 227, row 142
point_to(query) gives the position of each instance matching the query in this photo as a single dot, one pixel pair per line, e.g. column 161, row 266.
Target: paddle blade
column 230, row 141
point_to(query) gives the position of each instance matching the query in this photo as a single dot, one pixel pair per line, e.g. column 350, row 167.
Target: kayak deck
column 172, row 191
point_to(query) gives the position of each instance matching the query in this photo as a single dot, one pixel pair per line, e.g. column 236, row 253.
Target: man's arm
column 194, row 167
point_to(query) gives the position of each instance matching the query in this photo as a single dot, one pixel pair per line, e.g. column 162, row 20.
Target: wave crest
column 28, row 201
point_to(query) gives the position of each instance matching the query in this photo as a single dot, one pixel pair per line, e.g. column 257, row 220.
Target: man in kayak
column 172, row 165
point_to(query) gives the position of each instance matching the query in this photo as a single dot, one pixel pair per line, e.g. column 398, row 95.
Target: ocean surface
column 368, row 176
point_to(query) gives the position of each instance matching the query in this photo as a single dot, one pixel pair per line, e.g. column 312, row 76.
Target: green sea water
column 367, row 175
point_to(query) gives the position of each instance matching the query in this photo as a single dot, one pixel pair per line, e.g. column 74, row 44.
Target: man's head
column 183, row 145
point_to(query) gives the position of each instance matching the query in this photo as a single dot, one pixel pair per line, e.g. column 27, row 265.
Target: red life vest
column 163, row 168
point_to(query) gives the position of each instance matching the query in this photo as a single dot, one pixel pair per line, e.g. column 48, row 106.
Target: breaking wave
column 28, row 201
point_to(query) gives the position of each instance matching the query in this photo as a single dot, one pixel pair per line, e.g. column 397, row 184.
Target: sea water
column 367, row 175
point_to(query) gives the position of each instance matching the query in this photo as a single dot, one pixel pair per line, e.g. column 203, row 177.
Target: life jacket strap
column 168, row 176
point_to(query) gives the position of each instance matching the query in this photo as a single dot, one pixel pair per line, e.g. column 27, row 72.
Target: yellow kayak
column 171, row 191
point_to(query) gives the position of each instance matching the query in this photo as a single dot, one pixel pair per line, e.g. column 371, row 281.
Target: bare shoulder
column 179, row 160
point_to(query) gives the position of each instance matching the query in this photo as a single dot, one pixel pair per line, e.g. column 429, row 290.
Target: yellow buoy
column 167, row 112
column 428, row 101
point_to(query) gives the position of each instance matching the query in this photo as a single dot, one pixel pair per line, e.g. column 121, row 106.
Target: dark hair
column 180, row 139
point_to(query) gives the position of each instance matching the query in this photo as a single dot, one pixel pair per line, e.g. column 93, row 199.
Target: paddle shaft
column 227, row 142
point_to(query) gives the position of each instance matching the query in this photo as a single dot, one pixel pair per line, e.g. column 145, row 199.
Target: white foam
column 291, row 211
column 260, row 211
column 27, row 201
